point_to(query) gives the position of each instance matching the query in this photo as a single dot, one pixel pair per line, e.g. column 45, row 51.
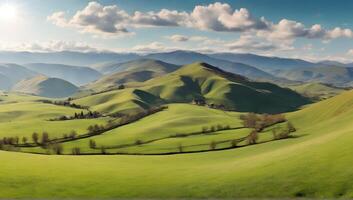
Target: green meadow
column 302, row 166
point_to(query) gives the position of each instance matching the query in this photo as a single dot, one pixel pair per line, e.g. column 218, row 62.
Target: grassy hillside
column 46, row 87
column 202, row 82
column 10, row 74
column 316, row 163
column 187, row 57
column 335, row 75
column 139, row 64
column 21, row 115
column 77, row 75
column 133, row 71
column 317, row 91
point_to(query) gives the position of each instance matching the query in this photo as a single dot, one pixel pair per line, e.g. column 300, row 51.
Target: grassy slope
column 46, row 87
column 317, row 90
column 132, row 71
column 199, row 81
column 179, row 118
column 336, row 75
column 21, row 115
column 316, row 164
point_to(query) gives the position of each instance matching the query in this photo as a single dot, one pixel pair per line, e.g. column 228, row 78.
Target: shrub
column 76, row 151
column 213, row 145
column 58, row 149
column 253, row 137
column 234, row 143
column 92, row 144
column 35, row 137
column 180, row 148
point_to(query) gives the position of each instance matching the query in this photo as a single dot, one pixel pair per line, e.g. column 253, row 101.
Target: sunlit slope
column 118, row 74
column 138, row 65
column 46, row 87
column 177, row 119
column 204, row 82
column 316, row 163
column 340, row 106
column 317, row 91
column 22, row 115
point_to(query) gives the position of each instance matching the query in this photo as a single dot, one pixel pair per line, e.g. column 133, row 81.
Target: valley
column 146, row 123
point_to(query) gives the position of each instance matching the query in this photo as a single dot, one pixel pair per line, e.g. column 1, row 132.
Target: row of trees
column 261, row 121
column 202, row 102
column 81, row 115
column 211, row 129
column 64, row 103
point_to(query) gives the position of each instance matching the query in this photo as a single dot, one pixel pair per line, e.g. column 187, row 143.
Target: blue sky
column 78, row 25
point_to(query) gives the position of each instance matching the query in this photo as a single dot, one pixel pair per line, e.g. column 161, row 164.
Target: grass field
column 315, row 163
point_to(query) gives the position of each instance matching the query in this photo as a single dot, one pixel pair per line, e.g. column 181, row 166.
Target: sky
column 312, row 30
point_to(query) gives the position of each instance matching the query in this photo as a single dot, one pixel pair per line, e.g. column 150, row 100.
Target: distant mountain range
column 10, row 74
column 75, row 74
column 73, row 67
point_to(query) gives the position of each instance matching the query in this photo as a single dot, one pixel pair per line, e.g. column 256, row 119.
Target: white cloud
column 112, row 21
column 248, row 43
column 221, row 17
column 178, row 38
column 149, row 48
column 94, row 18
column 50, row 46
column 350, row 52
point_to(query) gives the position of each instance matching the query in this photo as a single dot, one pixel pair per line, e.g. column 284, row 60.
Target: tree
column 76, row 151
column 58, row 149
column 92, row 144
column 291, row 127
column 180, row 148
column 138, row 142
column 24, row 140
column 121, row 87
column 234, row 143
column 253, row 137
column 73, row 134
column 204, row 129
column 103, row 150
column 213, row 145
column 35, row 137
column 45, row 138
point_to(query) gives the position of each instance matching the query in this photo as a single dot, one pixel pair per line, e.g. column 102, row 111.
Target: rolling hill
column 134, row 71
column 265, row 63
column 317, row 91
column 335, row 75
column 10, row 74
column 204, row 82
column 74, row 74
column 288, row 168
column 187, row 57
column 46, row 87
column 139, row 64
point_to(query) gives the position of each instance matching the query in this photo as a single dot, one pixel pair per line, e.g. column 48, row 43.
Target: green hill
column 335, row 75
column 139, row 64
column 204, row 82
column 46, row 87
column 133, row 71
column 316, row 163
column 77, row 75
column 317, row 91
